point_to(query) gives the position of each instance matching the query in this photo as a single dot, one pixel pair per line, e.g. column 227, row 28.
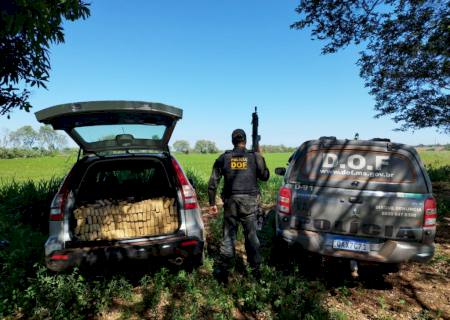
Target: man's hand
column 213, row 209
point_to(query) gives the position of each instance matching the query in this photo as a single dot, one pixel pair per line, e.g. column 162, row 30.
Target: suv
column 362, row 200
column 127, row 197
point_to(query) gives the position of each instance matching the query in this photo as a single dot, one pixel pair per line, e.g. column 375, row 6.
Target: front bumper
column 90, row 254
column 388, row 251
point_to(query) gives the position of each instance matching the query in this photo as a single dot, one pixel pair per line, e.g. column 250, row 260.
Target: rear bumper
column 170, row 249
column 389, row 251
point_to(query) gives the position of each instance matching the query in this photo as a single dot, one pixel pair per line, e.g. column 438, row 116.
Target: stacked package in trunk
column 106, row 220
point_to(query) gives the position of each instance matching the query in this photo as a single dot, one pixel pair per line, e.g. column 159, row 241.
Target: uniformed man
column 241, row 170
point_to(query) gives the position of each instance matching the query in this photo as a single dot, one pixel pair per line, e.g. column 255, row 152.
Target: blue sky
column 216, row 60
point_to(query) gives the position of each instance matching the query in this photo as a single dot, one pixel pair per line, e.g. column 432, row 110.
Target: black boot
column 256, row 273
column 221, row 275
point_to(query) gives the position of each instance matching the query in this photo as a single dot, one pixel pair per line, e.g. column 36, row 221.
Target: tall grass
column 24, row 210
column 30, row 291
column 28, row 202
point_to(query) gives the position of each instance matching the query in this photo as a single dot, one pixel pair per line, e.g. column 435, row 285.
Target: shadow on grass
column 331, row 272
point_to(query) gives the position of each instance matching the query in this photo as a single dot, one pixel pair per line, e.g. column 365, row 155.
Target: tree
column 181, row 146
column 24, row 137
column 205, row 146
column 5, row 137
column 51, row 139
column 27, row 30
column 405, row 63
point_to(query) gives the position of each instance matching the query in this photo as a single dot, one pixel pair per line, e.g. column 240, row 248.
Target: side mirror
column 280, row 171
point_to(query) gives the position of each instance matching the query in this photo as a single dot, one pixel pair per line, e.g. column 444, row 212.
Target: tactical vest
column 239, row 173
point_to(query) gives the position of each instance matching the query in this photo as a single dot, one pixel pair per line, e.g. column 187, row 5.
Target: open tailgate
column 114, row 125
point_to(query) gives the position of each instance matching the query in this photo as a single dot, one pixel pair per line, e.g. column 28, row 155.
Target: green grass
column 435, row 158
column 203, row 163
column 46, row 167
column 43, row 168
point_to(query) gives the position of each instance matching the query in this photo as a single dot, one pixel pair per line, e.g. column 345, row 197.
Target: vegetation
column 25, row 142
column 35, row 169
column 28, row 29
column 181, row 146
column 404, row 60
column 205, row 146
column 30, row 291
column 267, row 148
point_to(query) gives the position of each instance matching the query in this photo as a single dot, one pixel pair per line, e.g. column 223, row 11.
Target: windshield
column 109, row 132
column 358, row 167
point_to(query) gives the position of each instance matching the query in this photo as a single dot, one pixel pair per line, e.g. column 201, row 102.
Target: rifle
column 255, row 136
column 260, row 215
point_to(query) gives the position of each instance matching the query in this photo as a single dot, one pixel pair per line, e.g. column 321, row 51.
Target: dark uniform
column 241, row 169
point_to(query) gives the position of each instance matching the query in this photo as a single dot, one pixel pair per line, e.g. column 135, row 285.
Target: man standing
column 241, row 170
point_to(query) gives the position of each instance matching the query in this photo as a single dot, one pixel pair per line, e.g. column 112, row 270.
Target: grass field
column 47, row 167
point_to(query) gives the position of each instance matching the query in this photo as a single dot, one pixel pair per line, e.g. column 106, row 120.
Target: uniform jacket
column 241, row 170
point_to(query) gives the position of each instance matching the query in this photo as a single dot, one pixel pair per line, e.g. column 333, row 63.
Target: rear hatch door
column 98, row 126
column 363, row 191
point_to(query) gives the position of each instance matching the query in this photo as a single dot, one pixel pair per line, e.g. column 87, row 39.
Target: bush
column 439, row 173
column 71, row 296
column 24, row 210
column 12, row 153
column 28, row 202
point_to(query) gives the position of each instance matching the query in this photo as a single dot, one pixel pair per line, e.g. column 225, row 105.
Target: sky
column 216, row 60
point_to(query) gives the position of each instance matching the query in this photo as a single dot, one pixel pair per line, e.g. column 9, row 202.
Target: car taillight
column 189, row 243
column 430, row 215
column 64, row 257
column 284, row 200
column 59, row 201
column 57, row 206
column 187, row 192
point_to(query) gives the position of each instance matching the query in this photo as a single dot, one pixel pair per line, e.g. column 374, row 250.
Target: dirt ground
column 416, row 291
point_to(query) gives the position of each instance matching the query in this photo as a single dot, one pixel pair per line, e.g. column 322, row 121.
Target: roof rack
column 381, row 139
column 327, row 138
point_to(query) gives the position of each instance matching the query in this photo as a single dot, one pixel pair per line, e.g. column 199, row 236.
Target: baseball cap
column 238, row 136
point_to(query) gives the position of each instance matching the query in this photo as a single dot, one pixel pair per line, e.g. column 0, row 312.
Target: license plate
column 351, row 245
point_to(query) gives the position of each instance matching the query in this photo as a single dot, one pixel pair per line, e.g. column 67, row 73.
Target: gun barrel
column 255, row 136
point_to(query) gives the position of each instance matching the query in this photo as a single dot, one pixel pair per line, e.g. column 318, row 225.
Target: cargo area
column 108, row 220
column 119, row 200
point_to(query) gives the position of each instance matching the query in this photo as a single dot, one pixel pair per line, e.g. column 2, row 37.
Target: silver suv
column 362, row 200
column 127, row 197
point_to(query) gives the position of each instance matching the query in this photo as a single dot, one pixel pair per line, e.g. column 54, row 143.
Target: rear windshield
column 137, row 179
column 109, row 132
column 369, row 168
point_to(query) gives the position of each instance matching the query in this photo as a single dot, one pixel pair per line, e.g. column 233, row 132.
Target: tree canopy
column 28, row 28
column 205, row 146
column 405, row 61
column 181, row 146
column 27, row 138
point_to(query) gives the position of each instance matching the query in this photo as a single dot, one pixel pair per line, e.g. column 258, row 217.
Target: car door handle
column 355, row 200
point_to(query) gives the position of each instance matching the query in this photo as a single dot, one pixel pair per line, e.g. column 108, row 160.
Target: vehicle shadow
column 132, row 270
column 332, row 272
